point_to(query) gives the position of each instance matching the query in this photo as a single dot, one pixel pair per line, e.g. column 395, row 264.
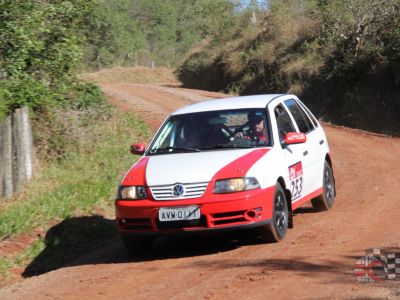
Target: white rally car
column 244, row 162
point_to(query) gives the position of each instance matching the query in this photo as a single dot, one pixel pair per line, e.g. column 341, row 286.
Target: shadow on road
column 305, row 210
column 69, row 240
column 94, row 240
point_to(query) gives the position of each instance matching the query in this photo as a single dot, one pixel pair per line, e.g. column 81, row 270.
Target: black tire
column 325, row 201
column 276, row 230
column 138, row 244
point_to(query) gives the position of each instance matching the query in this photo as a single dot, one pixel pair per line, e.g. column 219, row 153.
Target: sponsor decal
column 296, row 180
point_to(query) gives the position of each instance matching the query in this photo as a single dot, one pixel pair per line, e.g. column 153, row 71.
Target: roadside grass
column 5, row 266
column 131, row 75
column 83, row 183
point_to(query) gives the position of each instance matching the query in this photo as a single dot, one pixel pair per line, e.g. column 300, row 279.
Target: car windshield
column 212, row 130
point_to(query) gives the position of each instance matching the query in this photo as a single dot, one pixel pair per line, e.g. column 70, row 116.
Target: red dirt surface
column 315, row 260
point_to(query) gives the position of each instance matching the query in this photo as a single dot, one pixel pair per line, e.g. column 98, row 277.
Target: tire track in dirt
column 314, row 261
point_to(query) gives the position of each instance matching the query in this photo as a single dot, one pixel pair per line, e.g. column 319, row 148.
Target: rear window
column 310, row 115
column 302, row 120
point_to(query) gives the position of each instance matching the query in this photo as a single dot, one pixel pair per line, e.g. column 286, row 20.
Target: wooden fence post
column 22, row 145
column 7, row 158
column 27, row 144
column 16, row 152
column 1, row 160
column 16, row 132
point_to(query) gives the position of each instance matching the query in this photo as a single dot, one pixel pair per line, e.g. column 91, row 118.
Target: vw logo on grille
column 178, row 190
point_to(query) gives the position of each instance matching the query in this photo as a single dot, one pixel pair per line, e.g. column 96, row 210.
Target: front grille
column 191, row 190
column 228, row 218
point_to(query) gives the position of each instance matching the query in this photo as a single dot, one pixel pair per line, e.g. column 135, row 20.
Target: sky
column 262, row 3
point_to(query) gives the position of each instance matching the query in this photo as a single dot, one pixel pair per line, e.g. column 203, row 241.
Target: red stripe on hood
column 240, row 166
column 137, row 174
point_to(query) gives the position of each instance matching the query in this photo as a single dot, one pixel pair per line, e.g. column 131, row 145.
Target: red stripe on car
column 137, row 174
column 306, row 198
column 240, row 166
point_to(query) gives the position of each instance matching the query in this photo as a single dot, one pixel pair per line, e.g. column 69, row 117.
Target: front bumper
column 218, row 212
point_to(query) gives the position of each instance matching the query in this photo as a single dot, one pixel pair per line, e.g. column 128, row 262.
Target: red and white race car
column 243, row 162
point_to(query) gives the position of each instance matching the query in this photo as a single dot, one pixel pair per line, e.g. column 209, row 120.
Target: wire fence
column 16, row 152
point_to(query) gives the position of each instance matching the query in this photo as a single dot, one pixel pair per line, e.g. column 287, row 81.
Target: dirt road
column 315, row 260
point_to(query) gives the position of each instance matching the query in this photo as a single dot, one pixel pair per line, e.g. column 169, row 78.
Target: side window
column 303, row 121
column 283, row 120
column 309, row 114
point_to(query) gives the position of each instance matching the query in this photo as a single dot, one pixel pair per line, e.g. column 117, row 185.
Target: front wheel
column 326, row 199
column 276, row 230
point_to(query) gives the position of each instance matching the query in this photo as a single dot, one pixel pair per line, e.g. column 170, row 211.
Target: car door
column 311, row 148
column 319, row 145
column 293, row 154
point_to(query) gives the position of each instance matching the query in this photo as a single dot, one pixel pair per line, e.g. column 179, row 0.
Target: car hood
column 200, row 166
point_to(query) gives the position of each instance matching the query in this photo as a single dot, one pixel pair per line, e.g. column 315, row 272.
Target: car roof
column 257, row 101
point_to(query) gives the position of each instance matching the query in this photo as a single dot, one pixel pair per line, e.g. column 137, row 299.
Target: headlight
column 235, row 185
column 132, row 192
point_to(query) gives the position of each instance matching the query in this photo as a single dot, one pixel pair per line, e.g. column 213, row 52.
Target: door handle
column 305, row 153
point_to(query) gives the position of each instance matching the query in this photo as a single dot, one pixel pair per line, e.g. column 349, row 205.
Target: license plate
column 179, row 213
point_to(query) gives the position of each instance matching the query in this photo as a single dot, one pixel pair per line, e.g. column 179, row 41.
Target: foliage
column 40, row 52
column 113, row 34
column 138, row 32
column 44, row 43
column 342, row 57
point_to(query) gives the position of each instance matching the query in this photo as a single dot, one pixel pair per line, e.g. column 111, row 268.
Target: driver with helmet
column 254, row 130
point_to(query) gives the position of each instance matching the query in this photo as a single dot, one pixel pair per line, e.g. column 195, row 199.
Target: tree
column 40, row 51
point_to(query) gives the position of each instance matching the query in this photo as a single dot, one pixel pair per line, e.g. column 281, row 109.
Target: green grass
column 5, row 265
column 30, row 253
column 81, row 184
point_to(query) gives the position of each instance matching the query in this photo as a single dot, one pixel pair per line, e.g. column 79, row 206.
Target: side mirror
column 138, row 149
column 294, row 138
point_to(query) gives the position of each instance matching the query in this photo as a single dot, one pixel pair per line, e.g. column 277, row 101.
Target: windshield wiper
column 172, row 148
column 227, row 146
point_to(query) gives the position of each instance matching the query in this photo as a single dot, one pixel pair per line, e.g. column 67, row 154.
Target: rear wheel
column 276, row 230
column 138, row 244
column 327, row 198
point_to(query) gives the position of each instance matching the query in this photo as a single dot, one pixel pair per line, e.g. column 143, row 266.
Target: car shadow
column 305, row 210
column 95, row 240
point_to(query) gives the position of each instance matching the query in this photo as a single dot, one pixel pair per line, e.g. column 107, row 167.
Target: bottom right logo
column 377, row 265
